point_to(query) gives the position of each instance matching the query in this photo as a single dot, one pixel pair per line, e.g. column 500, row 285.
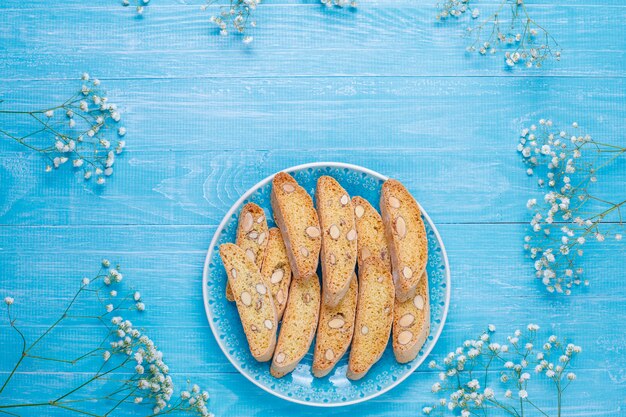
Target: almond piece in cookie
column 334, row 331
column 299, row 324
column 369, row 227
column 374, row 316
column 254, row 301
column 298, row 223
column 411, row 323
column 252, row 236
column 339, row 238
column 276, row 270
column 406, row 237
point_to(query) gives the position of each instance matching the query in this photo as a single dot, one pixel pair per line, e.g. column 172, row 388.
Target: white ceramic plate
column 301, row 386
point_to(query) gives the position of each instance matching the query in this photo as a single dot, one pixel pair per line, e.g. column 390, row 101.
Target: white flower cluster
column 559, row 226
column 467, row 368
column 86, row 145
column 237, row 16
column 151, row 377
column 523, row 41
column 76, row 132
column 196, row 400
column 153, row 380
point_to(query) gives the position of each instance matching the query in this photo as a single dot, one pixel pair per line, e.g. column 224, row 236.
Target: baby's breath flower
column 513, row 32
column 558, row 231
column 129, row 351
column 80, row 140
column 235, row 17
column 466, row 397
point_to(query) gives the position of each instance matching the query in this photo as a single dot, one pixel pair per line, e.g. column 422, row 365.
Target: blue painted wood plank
column 179, row 42
column 48, row 263
column 484, row 292
column 235, row 396
column 197, row 188
column 337, row 113
column 406, row 128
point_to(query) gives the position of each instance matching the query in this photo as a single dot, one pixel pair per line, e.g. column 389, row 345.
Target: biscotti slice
column 339, row 238
column 276, row 270
column 298, row 223
column 334, row 331
column 299, row 324
column 252, row 236
column 254, row 301
column 374, row 317
column 371, row 232
column 411, row 323
column 406, row 237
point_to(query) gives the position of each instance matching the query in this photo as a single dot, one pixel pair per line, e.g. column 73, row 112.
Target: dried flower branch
column 126, row 360
column 467, row 374
column 75, row 131
column 568, row 215
column 510, row 28
column 237, row 16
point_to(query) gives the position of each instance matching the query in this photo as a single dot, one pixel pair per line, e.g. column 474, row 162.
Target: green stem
column 76, row 410
column 94, row 378
column 22, row 356
column 537, row 408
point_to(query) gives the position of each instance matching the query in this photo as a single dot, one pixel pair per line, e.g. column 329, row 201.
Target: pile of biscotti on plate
column 272, row 277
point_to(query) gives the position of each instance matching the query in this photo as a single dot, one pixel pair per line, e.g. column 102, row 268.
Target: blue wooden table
column 207, row 117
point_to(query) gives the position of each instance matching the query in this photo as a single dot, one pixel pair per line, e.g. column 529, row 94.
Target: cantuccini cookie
column 254, row 301
column 374, row 317
column 276, row 270
column 411, row 323
column 369, row 227
column 406, row 237
column 299, row 324
column 252, row 236
column 334, row 331
column 297, row 220
column 339, row 238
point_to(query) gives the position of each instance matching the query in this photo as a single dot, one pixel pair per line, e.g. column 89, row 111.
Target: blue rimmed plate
column 301, row 386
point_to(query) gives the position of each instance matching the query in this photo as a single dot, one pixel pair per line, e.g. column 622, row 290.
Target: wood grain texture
column 384, row 87
column 173, row 40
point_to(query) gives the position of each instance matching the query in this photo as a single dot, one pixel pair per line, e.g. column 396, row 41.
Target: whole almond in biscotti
column 252, row 236
column 276, row 270
column 406, row 237
column 334, row 331
column 411, row 323
column 369, row 227
column 298, row 223
column 299, row 324
column 339, row 238
column 374, row 317
column 254, row 301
